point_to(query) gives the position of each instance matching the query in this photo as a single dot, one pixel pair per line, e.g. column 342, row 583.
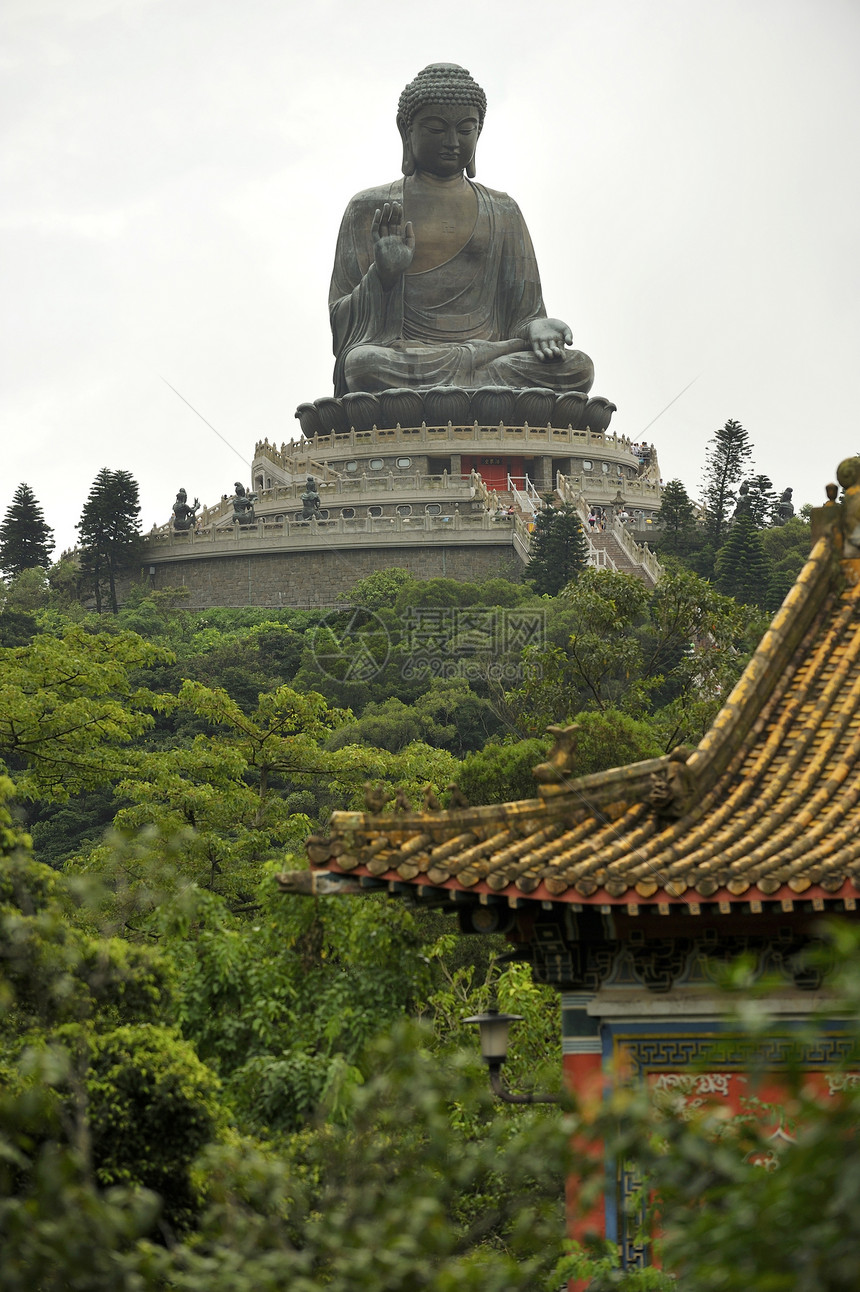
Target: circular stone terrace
column 444, row 466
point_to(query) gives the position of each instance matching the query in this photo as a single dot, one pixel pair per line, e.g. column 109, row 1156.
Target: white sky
column 174, row 172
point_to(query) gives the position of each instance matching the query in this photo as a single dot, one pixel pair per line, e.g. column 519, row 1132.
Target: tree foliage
column 763, row 501
column 501, row 772
column 559, row 549
column 26, row 540
column 103, row 1107
column 727, row 454
column 613, row 644
column 69, row 709
column 185, row 990
column 743, row 570
column 98, row 1090
column 787, row 549
column 110, row 533
column 449, row 715
column 677, row 517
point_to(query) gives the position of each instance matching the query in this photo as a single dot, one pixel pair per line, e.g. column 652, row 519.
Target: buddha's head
column 439, row 116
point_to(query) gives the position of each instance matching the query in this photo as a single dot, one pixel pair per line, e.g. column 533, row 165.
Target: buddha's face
column 444, row 137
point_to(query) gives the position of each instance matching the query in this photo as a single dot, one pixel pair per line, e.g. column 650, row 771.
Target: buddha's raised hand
column 393, row 245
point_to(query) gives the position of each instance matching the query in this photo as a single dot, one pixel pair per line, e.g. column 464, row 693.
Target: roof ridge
column 758, row 680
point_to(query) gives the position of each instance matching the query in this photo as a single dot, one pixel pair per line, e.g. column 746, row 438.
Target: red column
column 582, row 1065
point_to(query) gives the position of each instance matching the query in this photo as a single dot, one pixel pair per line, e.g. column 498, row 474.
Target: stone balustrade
column 518, row 440
column 639, row 491
column 344, row 491
column 267, row 535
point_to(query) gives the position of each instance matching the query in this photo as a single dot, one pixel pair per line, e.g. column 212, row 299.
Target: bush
column 152, row 1108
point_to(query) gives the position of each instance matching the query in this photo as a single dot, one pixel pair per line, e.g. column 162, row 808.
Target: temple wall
column 315, row 578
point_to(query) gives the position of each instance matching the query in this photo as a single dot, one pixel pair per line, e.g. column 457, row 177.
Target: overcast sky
column 174, row 173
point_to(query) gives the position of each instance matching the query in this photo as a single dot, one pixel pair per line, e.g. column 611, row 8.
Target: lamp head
column 494, row 1035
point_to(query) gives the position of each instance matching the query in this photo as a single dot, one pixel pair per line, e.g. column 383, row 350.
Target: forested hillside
column 164, row 1000
column 206, row 1082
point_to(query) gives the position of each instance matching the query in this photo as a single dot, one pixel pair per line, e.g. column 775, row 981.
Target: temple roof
column 765, row 810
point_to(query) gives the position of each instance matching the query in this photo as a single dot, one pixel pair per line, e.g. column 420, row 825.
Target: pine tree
column 558, row 550
column 743, row 570
column 25, row 539
column 726, row 456
column 763, row 501
column 677, row 517
column 110, row 533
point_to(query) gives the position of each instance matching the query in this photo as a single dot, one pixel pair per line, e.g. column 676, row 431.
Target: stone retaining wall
column 317, row 578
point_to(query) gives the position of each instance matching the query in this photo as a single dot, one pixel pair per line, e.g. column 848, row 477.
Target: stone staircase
column 607, row 542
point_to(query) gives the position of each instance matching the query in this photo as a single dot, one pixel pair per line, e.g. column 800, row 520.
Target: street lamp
column 494, row 1050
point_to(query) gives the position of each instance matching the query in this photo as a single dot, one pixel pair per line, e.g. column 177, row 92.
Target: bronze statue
column 310, row 499
column 785, row 507
column 243, row 505
column 183, row 515
column 743, row 506
column 435, row 281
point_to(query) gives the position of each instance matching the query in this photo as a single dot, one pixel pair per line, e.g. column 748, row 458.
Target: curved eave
column 635, row 901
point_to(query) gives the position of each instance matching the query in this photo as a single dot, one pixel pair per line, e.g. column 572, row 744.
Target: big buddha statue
column 435, row 281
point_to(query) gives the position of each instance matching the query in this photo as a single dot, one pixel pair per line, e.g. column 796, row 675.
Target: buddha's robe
column 460, row 324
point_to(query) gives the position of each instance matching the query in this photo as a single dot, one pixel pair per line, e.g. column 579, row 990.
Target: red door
column 493, row 469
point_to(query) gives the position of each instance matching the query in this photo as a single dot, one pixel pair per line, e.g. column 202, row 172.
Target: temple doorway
column 493, row 469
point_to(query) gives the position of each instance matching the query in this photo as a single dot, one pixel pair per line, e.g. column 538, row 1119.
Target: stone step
column 607, row 542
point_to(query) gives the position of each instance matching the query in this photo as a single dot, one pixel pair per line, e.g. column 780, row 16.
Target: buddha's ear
column 470, row 169
column 408, row 163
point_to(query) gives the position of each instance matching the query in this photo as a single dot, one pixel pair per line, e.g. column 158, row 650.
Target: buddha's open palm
column 393, row 244
column 548, row 337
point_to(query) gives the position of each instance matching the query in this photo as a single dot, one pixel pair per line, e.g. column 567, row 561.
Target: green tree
column 152, row 1106
column 69, row 709
column 501, row 772
column 410, row 1181
column 96, row 1088
column 16, row 627
column 26, row 539
column 762, row 501
column 592, row 659
column 64, row 579
column 669, row 653
column 213, row 810
column 110, row 533
column 449, row 715
column 787, row 547
column 379, row 590
column 28, row 591
column 725, row 458
column 743, row 570
column 20, row 600
column 677, row 517
column 558, row 551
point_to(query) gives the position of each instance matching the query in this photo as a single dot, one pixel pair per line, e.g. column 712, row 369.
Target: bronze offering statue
column 435, row 281
column 310, row 499
column 743, row 506
column 243, row 505
column 183, row 515
column 785, row 507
